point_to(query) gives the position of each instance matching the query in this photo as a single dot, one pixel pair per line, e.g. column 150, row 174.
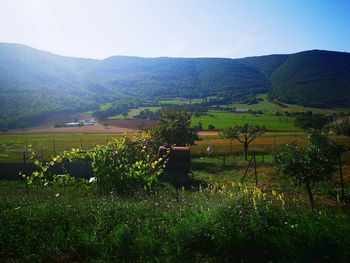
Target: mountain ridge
column 35, row 83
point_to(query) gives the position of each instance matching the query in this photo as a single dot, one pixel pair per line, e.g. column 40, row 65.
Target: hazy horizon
column 230, row 29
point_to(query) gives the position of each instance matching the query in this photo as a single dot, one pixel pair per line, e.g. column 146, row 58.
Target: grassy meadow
column 223, row 120
column 221, row 220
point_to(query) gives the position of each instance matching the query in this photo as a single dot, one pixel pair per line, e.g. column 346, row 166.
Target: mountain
column 173, row 77
column 313, row 78
column 35, row 83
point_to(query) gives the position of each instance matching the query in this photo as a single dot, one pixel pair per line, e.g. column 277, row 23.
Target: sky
column 176, row 28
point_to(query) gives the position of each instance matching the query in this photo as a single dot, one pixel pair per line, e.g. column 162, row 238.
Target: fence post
column 54, row 146
column 25, row 170
column 341, row 179
column 255, row 172
column 81, row 142
column 26, row 148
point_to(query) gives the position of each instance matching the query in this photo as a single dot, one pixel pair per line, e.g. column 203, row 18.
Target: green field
column 223, row 120
column 268, row 107
column 181, row 101
column 13, row 146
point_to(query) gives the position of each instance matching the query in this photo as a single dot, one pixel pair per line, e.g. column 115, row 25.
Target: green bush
column 125, row 165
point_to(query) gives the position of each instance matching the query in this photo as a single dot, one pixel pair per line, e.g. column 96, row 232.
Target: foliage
column 306, row 166
column 313, row 78
column 217, row 224
column 124, row 165
column 247, row 131
column 311, row 121
column 22, row 125
column 147, row 114
column 174, row 128
column 342, row 127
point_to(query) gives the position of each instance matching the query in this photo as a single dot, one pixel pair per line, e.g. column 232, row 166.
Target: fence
column 45, row 147
column 17, row 154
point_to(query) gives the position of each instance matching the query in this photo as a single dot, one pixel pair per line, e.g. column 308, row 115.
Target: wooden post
column 255, row 172
column 81, row 142
column 246, row 170
column 341, row 179
column 25, row 170
column 26, row 148
column 54, row 146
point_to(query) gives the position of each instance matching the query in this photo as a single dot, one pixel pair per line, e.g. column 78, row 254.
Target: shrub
column 124, row 165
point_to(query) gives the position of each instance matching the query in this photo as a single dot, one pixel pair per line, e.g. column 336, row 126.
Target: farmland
column 223, row 120
column 270, row 107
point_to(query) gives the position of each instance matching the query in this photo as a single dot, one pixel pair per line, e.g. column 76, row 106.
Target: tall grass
column 217, row 224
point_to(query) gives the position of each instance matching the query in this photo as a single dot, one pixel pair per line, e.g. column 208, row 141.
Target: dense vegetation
column 35, row 84
column 235, row 224
column 314, row 78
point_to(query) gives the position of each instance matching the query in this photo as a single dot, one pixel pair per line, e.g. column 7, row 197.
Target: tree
column 342, row 127
column 211, row 127
column 308, row 165
column 245, row 134
column 22, row 125
column 4, row 130
column 174, row 128
column 310, row 121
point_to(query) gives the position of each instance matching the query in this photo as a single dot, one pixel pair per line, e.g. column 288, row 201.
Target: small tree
column 308, row 165
column 311, row 121
column 342, row 127
column 4, row 130
column 174, row 128
column 22, row 125
column 211, row 127
column 245, row 134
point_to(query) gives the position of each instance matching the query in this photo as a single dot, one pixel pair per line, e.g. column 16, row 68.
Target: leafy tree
column 174, row 128
column 22, row 125
column 308, row 165
column 342, row 127
column 310, row 121
column 211, row 127
column 4, row 130
column 245, row 134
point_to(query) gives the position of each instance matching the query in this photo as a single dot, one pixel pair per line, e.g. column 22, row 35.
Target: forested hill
column 34, row 83
column 313, row 78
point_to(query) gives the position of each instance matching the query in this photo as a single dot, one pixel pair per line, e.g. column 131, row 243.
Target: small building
column 71, row 124
column 242, row 110
column 91, row 122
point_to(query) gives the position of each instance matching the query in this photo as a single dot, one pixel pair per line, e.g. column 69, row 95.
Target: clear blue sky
column 182, row 28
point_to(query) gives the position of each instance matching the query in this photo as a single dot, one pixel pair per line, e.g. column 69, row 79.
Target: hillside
column 35, row 83
column 187, row 77
column 313, row 78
